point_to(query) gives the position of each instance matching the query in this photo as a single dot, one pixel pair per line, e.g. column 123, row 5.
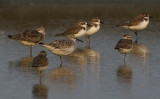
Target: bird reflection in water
column 124, row 72
column 84, row 55
column 40, row 91
column 21, row 66
column 23, row 63
column 62, row 75
column 140, row 50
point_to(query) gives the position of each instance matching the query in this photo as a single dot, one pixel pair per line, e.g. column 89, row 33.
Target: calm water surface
column 96, row 73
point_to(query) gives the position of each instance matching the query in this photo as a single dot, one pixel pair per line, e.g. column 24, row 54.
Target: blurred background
column 95, row 73
column 69, row 9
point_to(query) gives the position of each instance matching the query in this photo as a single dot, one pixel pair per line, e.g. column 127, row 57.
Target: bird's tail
column 122, row 25
column 116, row 47
column 10, row 36
column 41, row 43
column 60, row 34
column 34, row 66
column 118, row 25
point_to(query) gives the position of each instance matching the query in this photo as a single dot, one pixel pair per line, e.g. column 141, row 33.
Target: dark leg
column 30, row 51
column 125, row 58
column 40, row 80
column 61, row 61
column 136, row 33
column 40, row 72
column 136, row 37
column 88, row 41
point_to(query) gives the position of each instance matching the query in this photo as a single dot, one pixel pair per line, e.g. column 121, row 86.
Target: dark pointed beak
column 79, row 40
column 101, row 22
column 150, row 17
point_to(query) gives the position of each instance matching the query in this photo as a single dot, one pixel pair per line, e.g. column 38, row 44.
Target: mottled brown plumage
column 61, row 47
column 29, row 37
column 40, row 62
column 124, row 45
column 60, row 44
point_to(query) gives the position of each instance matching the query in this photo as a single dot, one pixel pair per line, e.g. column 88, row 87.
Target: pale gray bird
column 61, row 47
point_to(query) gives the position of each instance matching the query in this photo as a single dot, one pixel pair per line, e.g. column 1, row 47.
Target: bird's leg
column 136, row 37
column 61, row 61
column 136, row 33
column 88, row 41
column 40, row 80
column 124, row 58
column 30, row 51
column 40, row 72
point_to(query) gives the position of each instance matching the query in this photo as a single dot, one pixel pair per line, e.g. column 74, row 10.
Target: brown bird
column 78, row 30
column 40, row 62
column 140, row 22
column 29, row 37
column 124, row 45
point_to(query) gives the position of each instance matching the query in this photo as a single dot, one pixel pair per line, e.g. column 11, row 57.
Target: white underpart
column 123, row 51
column 63, row 52
column 41, row 68
column 27, row 43
column 80, row 33
column 92, row 30
column 140, row 26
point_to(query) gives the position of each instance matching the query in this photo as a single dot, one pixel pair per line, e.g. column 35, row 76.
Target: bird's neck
column 42, row 32
column 96, row 25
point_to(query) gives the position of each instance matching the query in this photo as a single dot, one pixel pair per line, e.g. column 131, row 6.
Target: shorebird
column 124, row 45
column 78, row 30
column 92, row 28
column 29, row 37
column 61, row 47
column 40, row 62
column 140, row 22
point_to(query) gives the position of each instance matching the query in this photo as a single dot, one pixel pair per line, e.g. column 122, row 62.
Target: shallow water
column 96, row 73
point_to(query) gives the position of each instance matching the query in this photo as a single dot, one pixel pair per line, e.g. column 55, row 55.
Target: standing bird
column 78, row 30
column 138, row 23
column 29, row 37
column 124, row 45
column 61, row 47
column 92, row 28
column 40, row 62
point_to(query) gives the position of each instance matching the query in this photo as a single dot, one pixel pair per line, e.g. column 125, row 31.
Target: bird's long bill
column 79, row 40
column 101, row 22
